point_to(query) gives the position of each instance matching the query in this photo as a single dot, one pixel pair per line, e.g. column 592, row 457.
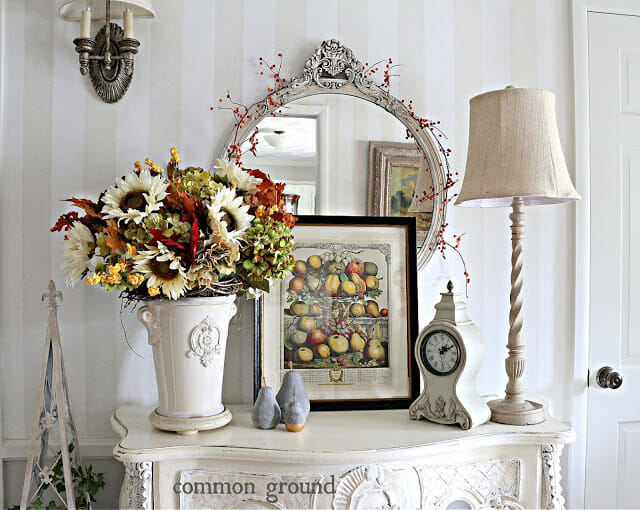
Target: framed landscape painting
column 398, row 177
column 346, row 318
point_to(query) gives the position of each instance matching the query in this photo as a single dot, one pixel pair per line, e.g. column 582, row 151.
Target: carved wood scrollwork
column 371, row 486
column 482, row 484
column 551, row 453
column 440, row 411
column 331, row 66
column 137, row 486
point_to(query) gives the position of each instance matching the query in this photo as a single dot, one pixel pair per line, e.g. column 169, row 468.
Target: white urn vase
column 189, row 338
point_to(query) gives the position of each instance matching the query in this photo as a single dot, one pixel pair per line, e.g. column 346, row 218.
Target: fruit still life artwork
column 336, row 311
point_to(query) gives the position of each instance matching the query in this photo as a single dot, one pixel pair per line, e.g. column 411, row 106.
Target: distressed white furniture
column 357, row 459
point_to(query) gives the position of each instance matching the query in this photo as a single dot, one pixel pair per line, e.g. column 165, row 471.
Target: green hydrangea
column 268, row 254
column 137, row 234
column 197, row 182
column 168, row 224
column 102, row 249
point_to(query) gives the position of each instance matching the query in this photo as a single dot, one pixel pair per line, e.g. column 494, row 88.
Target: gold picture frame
column 398, row 177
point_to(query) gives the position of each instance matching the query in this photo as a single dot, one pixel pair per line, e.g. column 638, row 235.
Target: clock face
column 440, row 353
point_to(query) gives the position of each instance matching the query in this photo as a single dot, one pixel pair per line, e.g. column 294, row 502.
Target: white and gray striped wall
column 59, row 140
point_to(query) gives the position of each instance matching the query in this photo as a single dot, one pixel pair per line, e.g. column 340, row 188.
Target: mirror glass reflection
column 286, row 149
column 320, row 146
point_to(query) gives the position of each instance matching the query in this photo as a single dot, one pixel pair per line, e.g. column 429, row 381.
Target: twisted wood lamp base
column 513, row 409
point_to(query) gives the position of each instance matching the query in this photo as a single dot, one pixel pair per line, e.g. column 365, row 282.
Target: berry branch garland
column 241, row 114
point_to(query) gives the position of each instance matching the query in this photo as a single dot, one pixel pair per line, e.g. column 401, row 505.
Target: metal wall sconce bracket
column 108, row 59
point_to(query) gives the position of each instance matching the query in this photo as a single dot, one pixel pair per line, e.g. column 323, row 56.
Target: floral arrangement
column 186, row 233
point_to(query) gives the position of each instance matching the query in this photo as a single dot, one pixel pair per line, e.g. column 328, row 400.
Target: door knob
column 607, row 378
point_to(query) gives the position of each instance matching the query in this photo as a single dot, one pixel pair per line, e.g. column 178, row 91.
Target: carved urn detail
column 205, row 341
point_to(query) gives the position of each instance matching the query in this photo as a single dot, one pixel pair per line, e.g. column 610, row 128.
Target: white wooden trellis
column 53, row 423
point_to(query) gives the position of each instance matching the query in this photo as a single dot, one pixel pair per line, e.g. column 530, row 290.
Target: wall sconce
column 108, row 58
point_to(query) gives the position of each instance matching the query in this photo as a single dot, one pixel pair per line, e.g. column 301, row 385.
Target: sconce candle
column 85, row 23
column 127, row 16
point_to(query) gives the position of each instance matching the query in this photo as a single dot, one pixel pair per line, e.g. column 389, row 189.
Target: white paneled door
column 613, row 424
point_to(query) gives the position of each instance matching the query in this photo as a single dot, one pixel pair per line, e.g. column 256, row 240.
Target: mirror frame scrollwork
column 333, row 69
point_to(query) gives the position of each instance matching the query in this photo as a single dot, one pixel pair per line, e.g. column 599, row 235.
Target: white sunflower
column 135, row 197
column 227, row 216
column 79, row 245
column 237, row 176
column 162, row 269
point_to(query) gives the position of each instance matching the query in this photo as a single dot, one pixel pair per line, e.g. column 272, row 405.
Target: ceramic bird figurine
column 266, row 411
column 295, row 417
column 292, row 383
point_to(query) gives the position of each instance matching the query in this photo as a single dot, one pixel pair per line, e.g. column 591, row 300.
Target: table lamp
column 515, row 159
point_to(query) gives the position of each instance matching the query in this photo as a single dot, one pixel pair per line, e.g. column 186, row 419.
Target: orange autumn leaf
column 285, row 217
column 91, row 208
column 65, row 222
column 173, row 201
column 192, row 207
column 114, row 238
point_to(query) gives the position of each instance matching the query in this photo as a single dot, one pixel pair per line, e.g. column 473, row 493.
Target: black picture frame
column 409, row 225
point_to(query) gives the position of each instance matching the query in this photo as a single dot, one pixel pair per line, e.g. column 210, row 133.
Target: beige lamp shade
column 70, row 9
column 514, row 151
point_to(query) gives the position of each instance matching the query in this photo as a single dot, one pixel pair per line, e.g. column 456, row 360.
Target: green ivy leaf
column 260, row 284
column 287, row 341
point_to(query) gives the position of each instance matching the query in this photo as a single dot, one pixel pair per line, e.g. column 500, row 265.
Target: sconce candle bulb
column 85, row 23
column 127, row 17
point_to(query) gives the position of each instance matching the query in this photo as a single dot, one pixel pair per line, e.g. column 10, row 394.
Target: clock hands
column 444, row 349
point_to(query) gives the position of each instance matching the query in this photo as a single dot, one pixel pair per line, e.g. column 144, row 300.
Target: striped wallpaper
column 59, row 140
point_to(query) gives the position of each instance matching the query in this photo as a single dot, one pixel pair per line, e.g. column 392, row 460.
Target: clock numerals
column 440, row 353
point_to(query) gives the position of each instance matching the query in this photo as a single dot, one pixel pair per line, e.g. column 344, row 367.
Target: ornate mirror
column 345, row 146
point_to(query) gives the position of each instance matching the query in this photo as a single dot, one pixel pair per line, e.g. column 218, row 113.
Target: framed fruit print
column 346, row 318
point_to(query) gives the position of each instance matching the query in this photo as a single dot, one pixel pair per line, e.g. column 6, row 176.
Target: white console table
column 357, row 459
